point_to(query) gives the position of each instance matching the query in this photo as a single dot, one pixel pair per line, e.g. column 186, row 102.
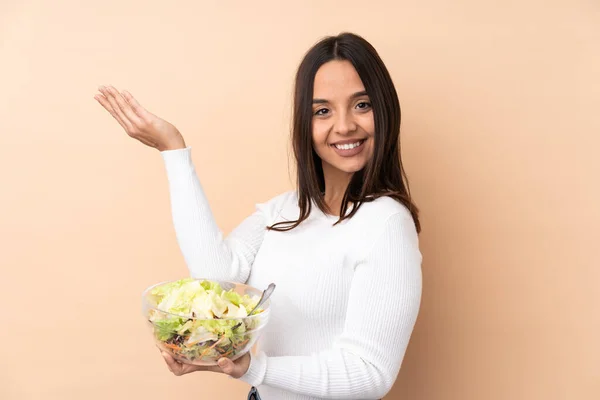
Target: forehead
column 337, row 78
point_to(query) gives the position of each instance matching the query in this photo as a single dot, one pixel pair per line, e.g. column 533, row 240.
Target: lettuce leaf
column 166, row 328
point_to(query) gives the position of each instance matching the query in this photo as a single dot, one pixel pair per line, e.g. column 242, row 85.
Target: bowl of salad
column 198, row 321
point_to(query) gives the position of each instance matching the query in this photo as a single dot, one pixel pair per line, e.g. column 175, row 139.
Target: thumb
column 226, row 365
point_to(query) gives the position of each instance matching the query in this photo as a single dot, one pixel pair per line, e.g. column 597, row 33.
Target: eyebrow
column 355, row 95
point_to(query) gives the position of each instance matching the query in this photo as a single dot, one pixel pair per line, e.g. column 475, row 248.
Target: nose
column 344, row 123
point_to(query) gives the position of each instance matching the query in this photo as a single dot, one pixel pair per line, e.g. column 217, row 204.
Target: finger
column 226, row 365
column 110, row 93
column 172, row 364
column 126, row 108
column 100, row 98
column 104, row 99
column 136, row 107
column 168, row 358
column 113, row 96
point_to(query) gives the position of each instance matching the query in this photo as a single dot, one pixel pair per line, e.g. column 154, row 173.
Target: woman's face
column 342, row 124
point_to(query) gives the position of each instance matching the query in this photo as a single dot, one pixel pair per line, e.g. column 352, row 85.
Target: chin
column 351, row 168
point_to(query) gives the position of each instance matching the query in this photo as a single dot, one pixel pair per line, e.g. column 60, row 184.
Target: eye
column 322, row 111
column 363, row 105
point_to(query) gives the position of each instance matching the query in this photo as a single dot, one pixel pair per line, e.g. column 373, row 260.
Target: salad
column 199, row 322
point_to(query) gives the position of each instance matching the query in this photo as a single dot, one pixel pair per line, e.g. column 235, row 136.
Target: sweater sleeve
column 365, row 358
column 206, row 252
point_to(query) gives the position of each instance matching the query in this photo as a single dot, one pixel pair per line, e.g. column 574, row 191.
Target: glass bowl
column 194, row 326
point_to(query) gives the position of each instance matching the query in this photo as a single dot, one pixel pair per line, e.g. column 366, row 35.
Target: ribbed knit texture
column 347, row 296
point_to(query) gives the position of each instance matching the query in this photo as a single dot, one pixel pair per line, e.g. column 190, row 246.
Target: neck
column 336, row 183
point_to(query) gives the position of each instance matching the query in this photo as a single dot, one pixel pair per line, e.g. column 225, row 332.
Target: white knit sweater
column 347, row 296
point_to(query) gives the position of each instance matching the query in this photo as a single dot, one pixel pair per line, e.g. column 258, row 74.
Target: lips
column 349, row 148
column 345, row 143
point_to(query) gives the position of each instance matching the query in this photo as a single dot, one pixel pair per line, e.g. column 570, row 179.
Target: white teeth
column 347, row 146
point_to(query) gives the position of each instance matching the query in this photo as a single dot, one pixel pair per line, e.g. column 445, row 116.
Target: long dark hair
column 383, row 175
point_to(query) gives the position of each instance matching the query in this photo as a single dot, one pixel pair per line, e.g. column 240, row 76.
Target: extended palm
column 139, row 123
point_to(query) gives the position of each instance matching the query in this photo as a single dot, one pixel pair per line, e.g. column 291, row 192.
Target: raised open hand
column 139, row 123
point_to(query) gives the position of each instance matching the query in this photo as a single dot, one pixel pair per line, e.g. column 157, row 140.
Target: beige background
column 500, row 138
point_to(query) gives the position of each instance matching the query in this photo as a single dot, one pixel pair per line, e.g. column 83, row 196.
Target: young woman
column 342, row 248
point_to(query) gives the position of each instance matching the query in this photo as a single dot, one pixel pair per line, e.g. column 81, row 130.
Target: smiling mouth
column 349, row 146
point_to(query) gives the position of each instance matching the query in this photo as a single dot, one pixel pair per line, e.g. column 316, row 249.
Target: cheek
column 319, row 133
column 367, row 122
